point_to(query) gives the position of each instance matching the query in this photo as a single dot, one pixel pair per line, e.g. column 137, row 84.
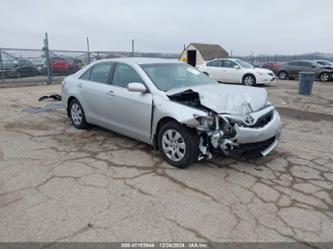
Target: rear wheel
column 77, row 115
column 283, row 75
column 249, row 80
column 324, row 77
column 178, row 144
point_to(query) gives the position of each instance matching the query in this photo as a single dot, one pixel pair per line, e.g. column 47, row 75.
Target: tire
column 324, row 77
column 249, row 80
column 283, row 75
column 178, row 144
column 77, row 115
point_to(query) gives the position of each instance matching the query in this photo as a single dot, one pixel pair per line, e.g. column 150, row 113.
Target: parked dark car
column 291, row 70
column 18, row 69
column 272, row 66
column 40, row 65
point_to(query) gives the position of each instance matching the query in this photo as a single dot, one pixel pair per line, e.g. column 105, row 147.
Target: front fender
column 163, row 108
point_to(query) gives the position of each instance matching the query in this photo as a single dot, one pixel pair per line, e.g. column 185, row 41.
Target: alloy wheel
column 324, row 77
column 282, row 76
column 173, row 145
column 76, row 114
column 249, row 81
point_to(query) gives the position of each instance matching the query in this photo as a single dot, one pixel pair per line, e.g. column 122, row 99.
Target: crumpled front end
column 250, row 135
column 236, row 120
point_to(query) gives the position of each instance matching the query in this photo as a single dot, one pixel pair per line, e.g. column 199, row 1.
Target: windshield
column 169, row 76
column 244, row 64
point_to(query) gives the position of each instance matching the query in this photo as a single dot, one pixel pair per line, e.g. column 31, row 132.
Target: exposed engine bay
column 249, row 133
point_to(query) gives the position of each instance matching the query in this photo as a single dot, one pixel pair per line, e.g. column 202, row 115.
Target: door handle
column 110, row 93
column 80, row 85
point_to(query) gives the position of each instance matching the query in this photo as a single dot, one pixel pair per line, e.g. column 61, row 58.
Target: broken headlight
column 206, row 123
column 238, row 122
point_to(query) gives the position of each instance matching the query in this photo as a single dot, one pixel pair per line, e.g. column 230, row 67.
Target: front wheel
column 249, row 80
column 77, row 115
column 178, row 144
column 324, row 77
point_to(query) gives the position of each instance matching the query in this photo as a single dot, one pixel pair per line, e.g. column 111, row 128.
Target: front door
column 129, row 113
column 230, row 72
column 192, row 57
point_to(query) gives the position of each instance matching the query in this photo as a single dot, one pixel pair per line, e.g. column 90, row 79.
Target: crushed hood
column 222, row 98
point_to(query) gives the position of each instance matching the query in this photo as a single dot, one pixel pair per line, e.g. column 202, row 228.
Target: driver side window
column 125, row 74
column 229, row 64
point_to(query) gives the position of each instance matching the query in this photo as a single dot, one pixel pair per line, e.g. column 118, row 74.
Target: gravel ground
column 62, row 184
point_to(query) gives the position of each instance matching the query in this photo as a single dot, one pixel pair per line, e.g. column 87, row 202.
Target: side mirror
column 136, row 87
column 237, row 67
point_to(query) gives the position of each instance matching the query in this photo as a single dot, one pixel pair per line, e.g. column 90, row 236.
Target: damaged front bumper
column 254, row 134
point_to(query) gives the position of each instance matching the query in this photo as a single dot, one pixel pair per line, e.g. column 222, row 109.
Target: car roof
column 140, row 60
column 231, row 59
column 301, row 61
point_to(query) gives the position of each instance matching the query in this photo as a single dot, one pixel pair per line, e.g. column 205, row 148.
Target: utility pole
column 1, row 66
column 231, row 53
column 88, row 50
column 132, row 47
column 47, row 56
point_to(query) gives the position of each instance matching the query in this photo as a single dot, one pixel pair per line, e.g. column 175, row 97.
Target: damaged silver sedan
column 174, row 107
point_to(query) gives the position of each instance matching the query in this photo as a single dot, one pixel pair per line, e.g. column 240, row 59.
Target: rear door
column 128, row 112
column 94, row 89
column 214, row 70
column 294, row 68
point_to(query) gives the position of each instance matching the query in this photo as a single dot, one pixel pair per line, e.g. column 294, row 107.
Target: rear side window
column 215, row 63
column 125, row 74
column 100, row 72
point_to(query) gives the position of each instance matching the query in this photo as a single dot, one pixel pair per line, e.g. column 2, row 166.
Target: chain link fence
column 38, row 66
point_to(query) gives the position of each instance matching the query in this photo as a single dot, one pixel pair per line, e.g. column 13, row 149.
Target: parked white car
column 237, row 71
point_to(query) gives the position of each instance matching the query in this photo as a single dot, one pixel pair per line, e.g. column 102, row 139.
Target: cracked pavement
column 62, row 184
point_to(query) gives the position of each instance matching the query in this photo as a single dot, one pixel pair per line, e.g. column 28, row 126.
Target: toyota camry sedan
column 230, row 70
column 172, row 106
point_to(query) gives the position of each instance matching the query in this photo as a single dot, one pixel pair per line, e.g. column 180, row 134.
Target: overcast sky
column 261, row 26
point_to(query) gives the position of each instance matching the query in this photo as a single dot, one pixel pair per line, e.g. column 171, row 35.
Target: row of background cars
column 323, row 69
column 228, row 70
column 20, row 67
column 232, row 70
